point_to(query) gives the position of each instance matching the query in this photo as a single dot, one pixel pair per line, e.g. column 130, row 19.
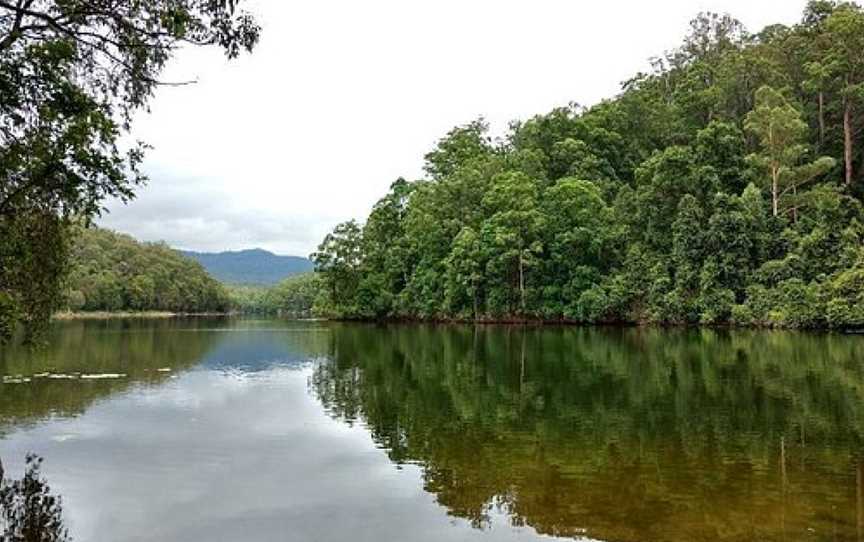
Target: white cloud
column 341, row 98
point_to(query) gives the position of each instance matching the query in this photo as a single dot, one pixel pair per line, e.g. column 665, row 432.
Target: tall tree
column 514, row 229
column 844, row 61
column 781, row 133
column 338, row 260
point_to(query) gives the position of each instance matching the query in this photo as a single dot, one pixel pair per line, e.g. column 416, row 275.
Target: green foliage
column 338, row 260
column 697, row 196
column 38, row 244
column 780, row 131
column 72, row 74
column 28, row 510
column 113, row 272
column 294, row 297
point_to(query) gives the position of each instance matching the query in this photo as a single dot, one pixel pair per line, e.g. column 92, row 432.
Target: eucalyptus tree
column 844, row 63
column 781, row 133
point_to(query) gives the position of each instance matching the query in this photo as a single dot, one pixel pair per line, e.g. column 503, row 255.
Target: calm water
column 271, row 430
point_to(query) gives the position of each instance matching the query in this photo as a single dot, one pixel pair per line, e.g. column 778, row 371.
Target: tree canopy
column 723, row 186
column 114, row 272
column 72, row 72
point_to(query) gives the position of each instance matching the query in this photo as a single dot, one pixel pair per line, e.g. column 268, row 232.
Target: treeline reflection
column 616, row 434
column 43, row 382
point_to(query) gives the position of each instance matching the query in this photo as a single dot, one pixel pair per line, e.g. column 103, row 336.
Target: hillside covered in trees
column 722, row 187
column 113, row 272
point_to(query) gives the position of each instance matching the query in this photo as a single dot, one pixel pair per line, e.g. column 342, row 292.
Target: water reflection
column 116, row 355
column 617, row 434
column 268, row 430
column 136, row 350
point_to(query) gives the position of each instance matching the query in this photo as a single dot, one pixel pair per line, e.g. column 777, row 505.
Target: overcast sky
column 342, row 97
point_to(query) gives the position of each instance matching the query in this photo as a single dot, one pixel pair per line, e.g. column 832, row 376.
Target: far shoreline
column 528, row 322
column 141, row 315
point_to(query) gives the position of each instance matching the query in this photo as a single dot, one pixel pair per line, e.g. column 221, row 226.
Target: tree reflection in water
column 28, row 510
column 632, row 434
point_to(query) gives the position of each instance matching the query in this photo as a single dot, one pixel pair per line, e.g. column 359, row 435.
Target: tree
column 648, row 207
column 33, row 259
column 338, row 261
column 461, row 145
column 721, row 146
column 465, row 266
column 661, row 182
column 385, row 251
column 688, row 255
column 711, row 39
column 71, row 75
column 781, row 132
column 844, row 62
column 28, row 510
column 580, row 241
column 513, row 230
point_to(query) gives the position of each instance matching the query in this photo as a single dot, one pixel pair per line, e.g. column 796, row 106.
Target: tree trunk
column 784, row 480
column 775, row 189
column 522, row 364
column 795, row 205
column 476, row 304
column 847, row 139
column 821, row 120
column 522, row 282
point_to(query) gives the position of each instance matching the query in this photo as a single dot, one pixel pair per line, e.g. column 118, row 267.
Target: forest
column 723, row 186
column 113, row 272
column 293, row 297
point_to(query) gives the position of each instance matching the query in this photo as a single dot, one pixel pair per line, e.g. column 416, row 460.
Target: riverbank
column 540, row 322
column 103, row 315
column 504, row 321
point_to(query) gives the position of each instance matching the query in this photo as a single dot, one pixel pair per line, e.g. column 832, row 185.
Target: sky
column 343, row 97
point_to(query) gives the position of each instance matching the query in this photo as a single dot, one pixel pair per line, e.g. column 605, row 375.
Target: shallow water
column 272, row 430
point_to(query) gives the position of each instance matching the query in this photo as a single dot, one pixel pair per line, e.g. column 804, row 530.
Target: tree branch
column 81, row 35
column 15, row 32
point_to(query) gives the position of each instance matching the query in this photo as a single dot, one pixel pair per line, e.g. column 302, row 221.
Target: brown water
column 273, row 430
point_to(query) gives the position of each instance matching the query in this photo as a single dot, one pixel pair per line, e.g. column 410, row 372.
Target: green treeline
column 112, row 272
column 294, row 297
column 723, row 187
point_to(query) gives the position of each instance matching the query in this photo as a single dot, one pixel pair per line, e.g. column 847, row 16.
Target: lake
column 266, row 430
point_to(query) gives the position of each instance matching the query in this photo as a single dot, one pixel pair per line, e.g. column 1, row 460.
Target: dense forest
column 724, row 186
column 112, row 272
column 294, row 297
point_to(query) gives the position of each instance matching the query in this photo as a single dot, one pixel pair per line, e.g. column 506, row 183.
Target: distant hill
column 110, row 271
column 254, row 266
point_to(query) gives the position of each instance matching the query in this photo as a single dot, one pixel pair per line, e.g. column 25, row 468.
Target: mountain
column 254, row 266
